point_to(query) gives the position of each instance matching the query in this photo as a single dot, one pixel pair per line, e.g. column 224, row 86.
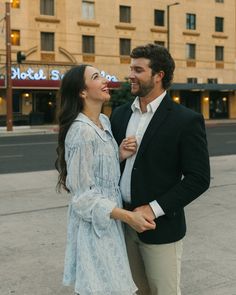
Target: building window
column 192, row 80
column 159, row 17
column 212, row 80
column 219, row 53
column 47, row 41
column 190, row 51
column 161, row 43
column 88, row 9
column 88, row 44
column 125, row 14
column 191, row 21
column 125, row 46
column 219, row 24
column 15, row 4
column 47, row 7
column 15, row 37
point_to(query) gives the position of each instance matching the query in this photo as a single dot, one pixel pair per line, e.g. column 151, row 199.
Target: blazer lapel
column 124, row 122
column 155, row 123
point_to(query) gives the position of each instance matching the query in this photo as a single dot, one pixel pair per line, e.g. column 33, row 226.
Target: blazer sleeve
column 194, row 161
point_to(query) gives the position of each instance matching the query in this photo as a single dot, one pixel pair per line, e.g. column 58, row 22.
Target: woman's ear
column 83, row 94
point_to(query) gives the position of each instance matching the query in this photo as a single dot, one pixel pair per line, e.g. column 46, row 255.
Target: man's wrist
column 156, row 208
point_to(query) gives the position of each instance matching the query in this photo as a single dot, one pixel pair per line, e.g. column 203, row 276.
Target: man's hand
column 140, row 221
column 146, row 210
column 127, row 148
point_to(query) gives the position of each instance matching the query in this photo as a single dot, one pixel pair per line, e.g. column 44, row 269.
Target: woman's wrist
column 121, row 214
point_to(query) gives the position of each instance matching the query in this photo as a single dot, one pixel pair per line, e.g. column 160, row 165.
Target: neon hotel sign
column 40, row 74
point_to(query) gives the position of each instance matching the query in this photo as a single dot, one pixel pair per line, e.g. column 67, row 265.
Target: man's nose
column 131, row 75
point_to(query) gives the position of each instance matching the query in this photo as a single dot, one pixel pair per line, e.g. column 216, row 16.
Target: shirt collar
column 152, row 106
column 83, row 118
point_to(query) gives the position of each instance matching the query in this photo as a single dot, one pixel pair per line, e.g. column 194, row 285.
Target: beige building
column 56, row 34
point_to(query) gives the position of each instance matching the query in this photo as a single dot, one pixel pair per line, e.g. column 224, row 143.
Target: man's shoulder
column 120, row 110
column 123, row 107
column 185, row 112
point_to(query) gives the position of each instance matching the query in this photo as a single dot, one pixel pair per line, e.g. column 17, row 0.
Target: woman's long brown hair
column 71, row 104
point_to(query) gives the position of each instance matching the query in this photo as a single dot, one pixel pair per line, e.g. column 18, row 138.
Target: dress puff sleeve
column 88, row 201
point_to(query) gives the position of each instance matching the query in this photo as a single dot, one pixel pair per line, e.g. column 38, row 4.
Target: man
column 169, row 170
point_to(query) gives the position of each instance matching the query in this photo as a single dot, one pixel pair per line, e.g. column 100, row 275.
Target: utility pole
column 168, row 23
column 8, row 69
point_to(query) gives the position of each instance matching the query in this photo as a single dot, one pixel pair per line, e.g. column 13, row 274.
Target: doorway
column 219, row 105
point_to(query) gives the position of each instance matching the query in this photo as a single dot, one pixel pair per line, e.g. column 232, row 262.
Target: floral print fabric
column 96, row 260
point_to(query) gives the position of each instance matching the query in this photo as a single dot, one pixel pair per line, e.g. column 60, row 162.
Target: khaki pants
column 155, row 268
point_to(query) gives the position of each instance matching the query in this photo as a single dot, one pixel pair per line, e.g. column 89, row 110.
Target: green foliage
column 121, row 95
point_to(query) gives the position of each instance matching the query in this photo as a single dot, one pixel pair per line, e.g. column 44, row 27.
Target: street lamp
column 168, row 23
column 9, row 122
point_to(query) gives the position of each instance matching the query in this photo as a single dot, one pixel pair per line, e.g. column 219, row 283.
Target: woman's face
column 96, row 86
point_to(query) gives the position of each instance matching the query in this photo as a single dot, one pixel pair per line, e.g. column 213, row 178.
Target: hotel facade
column 57, row 34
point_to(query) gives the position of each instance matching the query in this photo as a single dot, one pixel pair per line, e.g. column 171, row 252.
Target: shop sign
column 54, row 74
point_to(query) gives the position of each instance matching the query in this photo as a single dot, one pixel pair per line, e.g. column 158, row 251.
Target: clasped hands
column 142, row 219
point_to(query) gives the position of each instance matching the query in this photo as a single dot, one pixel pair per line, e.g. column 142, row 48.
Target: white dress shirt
column 137, row 126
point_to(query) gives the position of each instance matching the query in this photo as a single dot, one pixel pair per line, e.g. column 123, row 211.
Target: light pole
column 8, row 69
column 168, row 23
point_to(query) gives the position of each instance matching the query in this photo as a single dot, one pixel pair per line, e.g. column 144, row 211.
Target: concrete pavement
column 29, row 130
column 33, row 233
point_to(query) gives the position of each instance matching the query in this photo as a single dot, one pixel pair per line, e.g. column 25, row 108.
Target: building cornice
column 191, row 33
column 88, row 23
column 47, row 19
column 219, row 36
column 125, row 27
column 158, row 30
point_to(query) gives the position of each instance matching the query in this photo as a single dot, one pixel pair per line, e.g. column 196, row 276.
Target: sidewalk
column 29, row 130
column 48, row 129
column 33, row 233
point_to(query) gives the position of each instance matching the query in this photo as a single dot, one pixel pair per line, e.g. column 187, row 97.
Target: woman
column 88, row 164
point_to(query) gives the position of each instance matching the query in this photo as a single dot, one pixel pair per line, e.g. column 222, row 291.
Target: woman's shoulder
column 105, row 119
column 79, row 133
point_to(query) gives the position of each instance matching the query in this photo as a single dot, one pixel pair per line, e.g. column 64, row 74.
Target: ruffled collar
column 104, row 133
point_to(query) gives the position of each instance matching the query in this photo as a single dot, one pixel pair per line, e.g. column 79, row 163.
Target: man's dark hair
column 160, row 60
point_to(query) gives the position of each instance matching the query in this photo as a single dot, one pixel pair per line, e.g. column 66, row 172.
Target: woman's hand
column 140, row 222
column 127, row 148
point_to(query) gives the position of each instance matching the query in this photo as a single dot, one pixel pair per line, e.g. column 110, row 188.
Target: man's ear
column 160, row 76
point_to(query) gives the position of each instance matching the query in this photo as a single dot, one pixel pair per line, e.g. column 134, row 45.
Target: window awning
column 203, row 86
column 44, row 84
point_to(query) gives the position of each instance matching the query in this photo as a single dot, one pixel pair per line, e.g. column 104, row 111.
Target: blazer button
column 134, row 168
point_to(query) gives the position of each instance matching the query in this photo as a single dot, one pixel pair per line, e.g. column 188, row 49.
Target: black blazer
column 171, row 166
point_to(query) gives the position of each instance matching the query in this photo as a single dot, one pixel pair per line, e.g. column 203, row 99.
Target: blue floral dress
column 96, row 261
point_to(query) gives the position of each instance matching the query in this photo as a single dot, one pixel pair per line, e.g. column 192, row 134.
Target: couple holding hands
column 129, row 177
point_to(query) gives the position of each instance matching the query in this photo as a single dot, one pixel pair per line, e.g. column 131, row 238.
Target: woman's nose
column 104, row 80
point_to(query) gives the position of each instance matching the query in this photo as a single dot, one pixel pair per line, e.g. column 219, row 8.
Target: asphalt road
column 27, row 153
column 221, row 140
column 38, row 152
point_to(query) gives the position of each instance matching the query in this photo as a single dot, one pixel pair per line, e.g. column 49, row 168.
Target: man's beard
column 144, row 89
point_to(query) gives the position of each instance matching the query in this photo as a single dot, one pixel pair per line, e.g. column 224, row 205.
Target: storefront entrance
column 44, row 106
column 191, row 99
column 219, row 105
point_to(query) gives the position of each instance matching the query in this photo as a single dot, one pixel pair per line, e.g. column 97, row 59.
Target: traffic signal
column 20, row 56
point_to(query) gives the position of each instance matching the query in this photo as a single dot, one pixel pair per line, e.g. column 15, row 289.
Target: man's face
column 141, row 78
